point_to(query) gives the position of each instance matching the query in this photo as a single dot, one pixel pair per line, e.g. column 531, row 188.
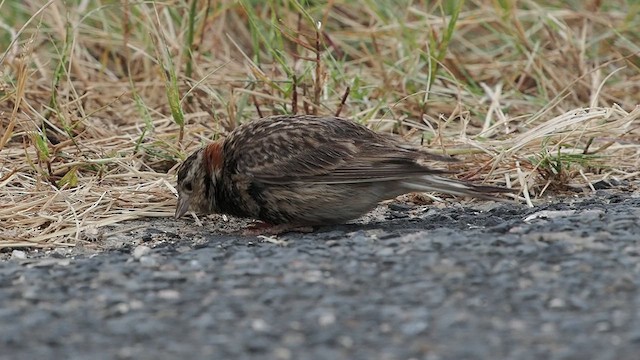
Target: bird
column 293, row 171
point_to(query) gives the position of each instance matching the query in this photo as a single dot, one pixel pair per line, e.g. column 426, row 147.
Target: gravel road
column 473, row 281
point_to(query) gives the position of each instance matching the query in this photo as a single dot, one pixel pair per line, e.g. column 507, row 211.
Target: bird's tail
column 433, row 183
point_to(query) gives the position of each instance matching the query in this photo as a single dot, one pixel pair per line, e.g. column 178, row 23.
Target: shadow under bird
column 307, row 170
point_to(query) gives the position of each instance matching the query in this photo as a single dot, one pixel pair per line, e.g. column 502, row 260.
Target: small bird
column 302, row 170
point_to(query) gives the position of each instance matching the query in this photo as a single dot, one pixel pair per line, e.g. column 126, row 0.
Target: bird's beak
column 183, row 206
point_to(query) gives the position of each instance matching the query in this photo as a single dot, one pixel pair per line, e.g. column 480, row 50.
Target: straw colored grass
column 99, row 100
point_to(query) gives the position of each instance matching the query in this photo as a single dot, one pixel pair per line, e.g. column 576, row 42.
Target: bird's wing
column 334, row 161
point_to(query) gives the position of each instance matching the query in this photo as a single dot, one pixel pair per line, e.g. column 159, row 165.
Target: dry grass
column 100, row 99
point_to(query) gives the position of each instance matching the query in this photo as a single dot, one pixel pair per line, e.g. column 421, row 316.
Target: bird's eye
column 188, row 186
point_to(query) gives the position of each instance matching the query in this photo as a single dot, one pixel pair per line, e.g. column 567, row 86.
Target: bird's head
column 197, row 180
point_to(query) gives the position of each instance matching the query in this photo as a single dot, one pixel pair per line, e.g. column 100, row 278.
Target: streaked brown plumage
column 308, row 170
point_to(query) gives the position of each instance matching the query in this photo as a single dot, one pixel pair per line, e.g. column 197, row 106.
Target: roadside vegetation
column 100, row 99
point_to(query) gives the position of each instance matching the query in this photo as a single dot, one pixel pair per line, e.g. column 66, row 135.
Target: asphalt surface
column 479, row 281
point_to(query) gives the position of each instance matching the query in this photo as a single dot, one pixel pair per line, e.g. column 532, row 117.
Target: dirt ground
column 480, row 280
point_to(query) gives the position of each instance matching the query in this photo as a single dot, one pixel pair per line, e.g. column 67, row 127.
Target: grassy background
column 100, row 99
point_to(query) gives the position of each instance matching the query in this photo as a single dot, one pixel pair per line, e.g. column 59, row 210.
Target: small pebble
column 18, row 255
column 168, row 294
column 400, row 207
column 148, row 261
column 387, row 251
column 259, row 325
column 141, row 251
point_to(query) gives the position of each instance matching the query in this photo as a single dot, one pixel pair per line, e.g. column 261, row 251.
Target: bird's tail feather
column 432, row 183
